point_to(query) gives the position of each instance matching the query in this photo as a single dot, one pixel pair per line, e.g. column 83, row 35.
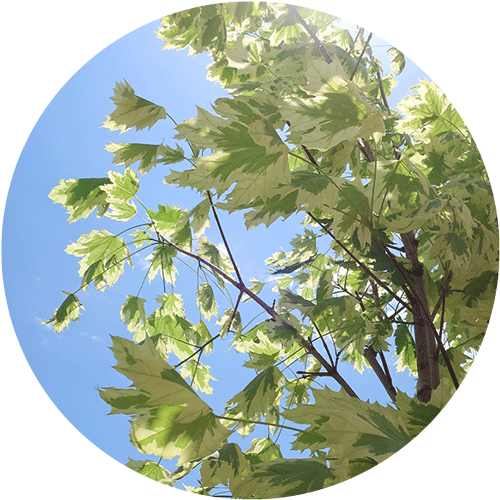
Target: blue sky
column 68, row 141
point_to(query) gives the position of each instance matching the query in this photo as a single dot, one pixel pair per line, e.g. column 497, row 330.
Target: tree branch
column 361, row 56
column 293, row 10
column 324, row 343
column 243, row 289
column 361, row 265
column 384, row 98
column 197, row 350
column 370, row 356
column 444, row 291
column 236, row 270
column 427, row 366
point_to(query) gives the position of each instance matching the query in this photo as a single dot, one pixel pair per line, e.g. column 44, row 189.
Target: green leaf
column 162, row 263
column 282, row 331
column 290, row 300
column 206, row 301
column 429, row 108
column 405, row 348
column 200, row 219
column 263, row 450
column 171, row 304
column 174, row 421
column 235, row 327
column 122, row 188
column 126, row 401
column 133, row 313
column 149, row 155
column 199, row 374
column 397, row 60
column 262, row 350
column 261, row 395
column 478, row 286
column 210, row 252
column 122, row 211
column 149, row 469
column 119, row 193
column 140, row 237
column 132, row 111
column 354, row 429
column 68, row 310
column 166, row 219
column 285, row 477
column 325, row 286
column 101, row 246
column 247, row 151
column 226, row 467
column 165, row 431
column 81, row 197
column 336, row 112
column 202, row 28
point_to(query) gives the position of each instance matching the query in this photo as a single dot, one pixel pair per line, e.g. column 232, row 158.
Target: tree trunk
column 427, row 362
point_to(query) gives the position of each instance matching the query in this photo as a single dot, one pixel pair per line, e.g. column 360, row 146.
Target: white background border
column 44, row 44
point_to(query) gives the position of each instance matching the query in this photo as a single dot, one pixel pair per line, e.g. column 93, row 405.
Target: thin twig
column 313, row 374
column 444, row 291
column 361, row 265
column 367, row 151
column 324, row 343
column 197, row 351
column 361, row 56
column 236, row 270
column 259, row 423
column 235, row 309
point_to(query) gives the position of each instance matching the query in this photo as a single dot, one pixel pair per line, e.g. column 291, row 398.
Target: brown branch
column 386, row 368
column 370, row 356
column 361, row 56
column 293, row 10
column 384, row 97
column 309, row 347
column 324, row 343
column 408, row 287
column 424, row 327
column 367, row 150
column 361, row 265
column 236, row 270
column 427, row 366
column 444, row 291
column 309, row 155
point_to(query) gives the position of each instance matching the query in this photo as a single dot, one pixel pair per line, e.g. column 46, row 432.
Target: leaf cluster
column 397, row 256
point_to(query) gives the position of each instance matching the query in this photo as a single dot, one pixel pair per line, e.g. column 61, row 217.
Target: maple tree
column 397, row 254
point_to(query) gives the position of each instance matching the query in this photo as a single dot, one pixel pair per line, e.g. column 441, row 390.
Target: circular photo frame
column 289, row 258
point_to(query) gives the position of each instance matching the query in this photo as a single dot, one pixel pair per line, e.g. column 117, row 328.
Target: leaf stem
column 260, row 423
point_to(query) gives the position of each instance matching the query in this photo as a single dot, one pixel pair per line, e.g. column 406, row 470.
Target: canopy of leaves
column 397, row 255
